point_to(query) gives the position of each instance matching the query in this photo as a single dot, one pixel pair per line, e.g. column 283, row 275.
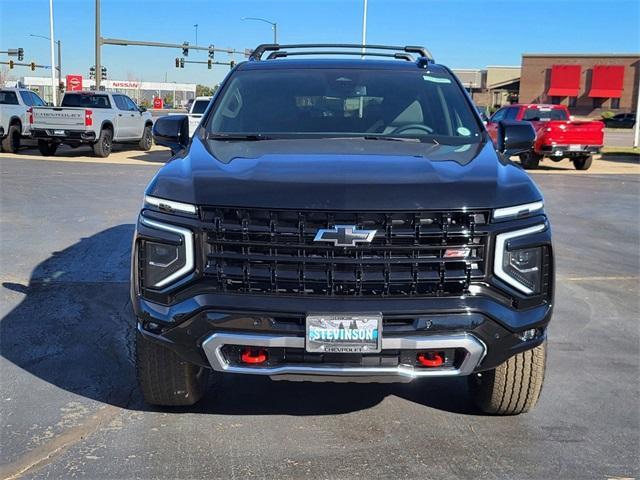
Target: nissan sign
column 74, row 83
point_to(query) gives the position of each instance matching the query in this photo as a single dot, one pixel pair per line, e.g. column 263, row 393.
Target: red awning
column 606, row 81
column 565, row 81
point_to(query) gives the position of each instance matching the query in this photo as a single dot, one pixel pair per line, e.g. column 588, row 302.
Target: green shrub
column 608, row 114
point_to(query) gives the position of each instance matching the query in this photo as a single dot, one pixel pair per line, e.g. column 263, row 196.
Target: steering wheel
column 413, row 126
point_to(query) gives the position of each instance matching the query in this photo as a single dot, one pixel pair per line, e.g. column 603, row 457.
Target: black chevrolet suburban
column 339, row 218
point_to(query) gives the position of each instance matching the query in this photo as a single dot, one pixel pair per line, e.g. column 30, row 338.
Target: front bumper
column 482, row 328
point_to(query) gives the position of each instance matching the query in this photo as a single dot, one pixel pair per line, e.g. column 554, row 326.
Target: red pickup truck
column 557, row 135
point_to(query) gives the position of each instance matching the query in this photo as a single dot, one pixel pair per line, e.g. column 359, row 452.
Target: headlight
column 166, row 262
column 169, row 206
column 520, row 268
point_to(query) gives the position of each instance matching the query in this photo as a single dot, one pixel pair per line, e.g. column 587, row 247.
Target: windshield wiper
column 392, row 139
column 252, row 137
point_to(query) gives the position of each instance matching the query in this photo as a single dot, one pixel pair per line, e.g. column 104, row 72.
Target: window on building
column 573, row 101
column 556, row 100
column 615, row 103
column 597, row 102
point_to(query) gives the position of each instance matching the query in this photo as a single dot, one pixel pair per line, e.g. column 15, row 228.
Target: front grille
column 273, row 252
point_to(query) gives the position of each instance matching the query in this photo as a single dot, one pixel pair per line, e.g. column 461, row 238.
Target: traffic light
column 185, row 49
column 211, row 51
column 103, row 73
column 232, row 64
column 182, row 63
column 20, row 54
column 209, row 62
column 177, row 62
column 92, row 73
column 10, row 64
column 33, row 66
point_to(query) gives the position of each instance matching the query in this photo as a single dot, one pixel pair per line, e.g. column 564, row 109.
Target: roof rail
column 397, row 55
column 274, row 47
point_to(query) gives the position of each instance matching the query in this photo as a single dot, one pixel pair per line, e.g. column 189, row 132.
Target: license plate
column 58, row 132
column 344, row 333
column 575, row 148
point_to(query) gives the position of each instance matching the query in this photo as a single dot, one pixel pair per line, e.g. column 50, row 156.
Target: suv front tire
column 165, row 378
column 513, row 387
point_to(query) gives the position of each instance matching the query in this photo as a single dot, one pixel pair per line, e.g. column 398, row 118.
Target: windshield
column 86, row 101
column 200, row 106
column 544, row 114
column 345, row 102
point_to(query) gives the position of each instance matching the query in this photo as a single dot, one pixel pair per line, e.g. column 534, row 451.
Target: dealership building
column 140, row 92
column 588, row 84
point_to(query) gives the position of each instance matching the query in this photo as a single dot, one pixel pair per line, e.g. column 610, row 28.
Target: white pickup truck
column 95, row 118
column 198, row 106
column 15, row 105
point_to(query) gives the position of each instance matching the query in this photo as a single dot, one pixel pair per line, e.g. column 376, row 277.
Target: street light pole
column 59, row 52
column 54, row 85
column 274, row 26
column 196, row 26
column 98, row 45
column 364, row 26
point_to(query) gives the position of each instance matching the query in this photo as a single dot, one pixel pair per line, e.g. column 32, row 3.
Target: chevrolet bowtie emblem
column 344, row 235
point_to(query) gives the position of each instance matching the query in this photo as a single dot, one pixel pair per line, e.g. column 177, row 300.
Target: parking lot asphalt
column 71, row 409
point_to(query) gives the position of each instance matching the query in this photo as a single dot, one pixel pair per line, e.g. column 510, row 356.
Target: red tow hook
column 431, row 359
column 253, row 356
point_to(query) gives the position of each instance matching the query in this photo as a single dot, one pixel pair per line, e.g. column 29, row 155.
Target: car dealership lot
column 70, row 405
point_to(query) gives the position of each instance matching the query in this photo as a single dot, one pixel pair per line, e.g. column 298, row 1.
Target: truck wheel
column 583, row 162
column 102, row 148
column 166, row 379
column 47, row 149
column 147, row 139
column 513, row 387
column 11, row 143
column 530, row 160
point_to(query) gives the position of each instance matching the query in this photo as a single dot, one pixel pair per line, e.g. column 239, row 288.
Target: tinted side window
column 8, row 98
column 131, row 105
column 120, row 102
column 26, row 98
column 37, row 101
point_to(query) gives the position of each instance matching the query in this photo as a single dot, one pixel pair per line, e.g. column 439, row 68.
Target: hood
column 344, row 174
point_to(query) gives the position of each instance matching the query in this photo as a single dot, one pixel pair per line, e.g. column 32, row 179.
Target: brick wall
column 536, row 75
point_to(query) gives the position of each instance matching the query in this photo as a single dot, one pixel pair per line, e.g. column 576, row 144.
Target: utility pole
column 54, row 84
column 98, row 45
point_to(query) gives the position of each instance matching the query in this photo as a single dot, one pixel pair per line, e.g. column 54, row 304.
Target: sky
column 459, row 33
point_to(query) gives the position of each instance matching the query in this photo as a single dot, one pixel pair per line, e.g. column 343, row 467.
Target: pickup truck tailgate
column 573, row 133
column 58, row 117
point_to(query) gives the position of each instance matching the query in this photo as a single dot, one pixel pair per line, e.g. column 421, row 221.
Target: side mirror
column 515, row 137
column 142, row 109
column 172, row 131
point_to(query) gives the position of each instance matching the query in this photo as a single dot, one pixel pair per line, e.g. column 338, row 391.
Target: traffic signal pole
column 185, row 46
